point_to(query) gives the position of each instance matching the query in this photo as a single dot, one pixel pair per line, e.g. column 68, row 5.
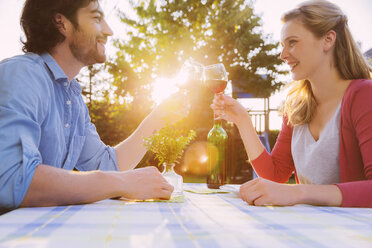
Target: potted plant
column 168, row 145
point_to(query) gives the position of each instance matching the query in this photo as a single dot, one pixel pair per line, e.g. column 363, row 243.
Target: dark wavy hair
column 39, row 26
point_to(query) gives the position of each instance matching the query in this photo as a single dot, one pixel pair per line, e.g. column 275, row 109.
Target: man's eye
column 98, row 18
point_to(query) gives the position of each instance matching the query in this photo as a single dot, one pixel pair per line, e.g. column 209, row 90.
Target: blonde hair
column 319, row 17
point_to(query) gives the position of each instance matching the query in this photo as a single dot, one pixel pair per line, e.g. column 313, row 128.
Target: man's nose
column 107, row 31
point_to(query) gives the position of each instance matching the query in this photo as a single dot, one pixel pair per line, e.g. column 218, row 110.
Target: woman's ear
column 329, row 40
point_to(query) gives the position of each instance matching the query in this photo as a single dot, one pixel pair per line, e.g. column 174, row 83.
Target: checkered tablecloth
column 202, row 220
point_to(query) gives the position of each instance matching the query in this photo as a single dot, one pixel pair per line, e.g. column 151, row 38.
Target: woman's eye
column 291, row 42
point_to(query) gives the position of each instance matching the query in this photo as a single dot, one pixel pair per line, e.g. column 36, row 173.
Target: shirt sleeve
column 359, row 192
column 278, row 166
column 95, row 155
column 21, row 112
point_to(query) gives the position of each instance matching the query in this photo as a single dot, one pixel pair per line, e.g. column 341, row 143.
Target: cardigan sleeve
column 356, row 186
column 278, row 166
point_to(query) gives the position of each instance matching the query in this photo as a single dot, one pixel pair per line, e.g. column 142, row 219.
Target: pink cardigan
column 355, row 148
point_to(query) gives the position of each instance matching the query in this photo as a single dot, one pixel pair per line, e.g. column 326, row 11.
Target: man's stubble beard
column 78, row 47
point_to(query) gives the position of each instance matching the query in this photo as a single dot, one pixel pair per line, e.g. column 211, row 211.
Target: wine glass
column 191, row 75
column 215, row 78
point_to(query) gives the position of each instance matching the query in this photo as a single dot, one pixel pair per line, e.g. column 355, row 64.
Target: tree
column 166, row 33
column 211, row 31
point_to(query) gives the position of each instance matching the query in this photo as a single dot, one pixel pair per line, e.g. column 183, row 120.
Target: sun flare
column 163, row 88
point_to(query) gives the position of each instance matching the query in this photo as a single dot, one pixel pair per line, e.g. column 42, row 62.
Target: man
column 45, row 129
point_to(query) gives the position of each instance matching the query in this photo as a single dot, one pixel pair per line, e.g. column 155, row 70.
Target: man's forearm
column 52, row 186
column 130, row 152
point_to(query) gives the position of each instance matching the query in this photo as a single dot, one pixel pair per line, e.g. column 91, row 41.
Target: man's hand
column 144, row 183
column 173, row 109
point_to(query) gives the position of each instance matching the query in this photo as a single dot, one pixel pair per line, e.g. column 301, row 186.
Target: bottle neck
column 168, row 167
column 217, row 123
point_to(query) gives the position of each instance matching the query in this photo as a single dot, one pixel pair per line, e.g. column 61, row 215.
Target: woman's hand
column 227, row 108
column 260, row 192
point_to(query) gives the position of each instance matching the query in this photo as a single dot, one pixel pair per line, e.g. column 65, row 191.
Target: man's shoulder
column 24, row 73
column 28, row 60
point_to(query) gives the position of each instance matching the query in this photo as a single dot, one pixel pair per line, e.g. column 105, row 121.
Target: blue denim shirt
column 43, row 120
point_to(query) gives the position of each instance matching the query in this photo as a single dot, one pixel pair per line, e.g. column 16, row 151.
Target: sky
column 359, row 13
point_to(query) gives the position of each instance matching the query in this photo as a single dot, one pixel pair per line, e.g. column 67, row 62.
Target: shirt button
column 68, row 102
column 65, row 84
column 67, row 125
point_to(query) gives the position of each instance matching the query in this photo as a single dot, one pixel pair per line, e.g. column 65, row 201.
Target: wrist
column 324, row 195
column 300, row 193
column 112, row 182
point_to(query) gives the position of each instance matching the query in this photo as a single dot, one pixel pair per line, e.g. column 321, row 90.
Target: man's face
column 88, row 40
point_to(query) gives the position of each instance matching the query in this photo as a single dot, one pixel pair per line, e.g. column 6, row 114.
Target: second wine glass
column 215, row 78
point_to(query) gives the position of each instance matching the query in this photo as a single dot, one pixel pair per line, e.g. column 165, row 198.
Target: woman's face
column 302, row 51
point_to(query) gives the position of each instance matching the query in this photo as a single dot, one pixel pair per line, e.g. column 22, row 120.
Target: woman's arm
column 261, row 192
column 356, row 145
column 279, row 165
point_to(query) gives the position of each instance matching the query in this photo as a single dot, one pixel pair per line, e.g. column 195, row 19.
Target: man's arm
column 52, row 186
column 130, row 152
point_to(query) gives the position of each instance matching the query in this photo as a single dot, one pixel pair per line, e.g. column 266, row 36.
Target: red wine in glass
column 216, row 85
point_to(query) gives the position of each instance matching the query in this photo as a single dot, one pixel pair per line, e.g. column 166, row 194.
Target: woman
column 326, row 137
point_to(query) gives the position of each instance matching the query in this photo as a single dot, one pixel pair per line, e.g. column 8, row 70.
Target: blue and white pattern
column 203, row 220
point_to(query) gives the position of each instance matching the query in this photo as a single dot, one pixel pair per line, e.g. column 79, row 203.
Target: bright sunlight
column 164, row 87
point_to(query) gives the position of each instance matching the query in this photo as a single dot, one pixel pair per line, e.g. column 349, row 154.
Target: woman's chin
column 297, row 77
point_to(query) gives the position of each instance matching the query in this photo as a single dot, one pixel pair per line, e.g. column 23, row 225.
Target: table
column 202, row 220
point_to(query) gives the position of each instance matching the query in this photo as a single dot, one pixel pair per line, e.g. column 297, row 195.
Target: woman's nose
column 284, row 54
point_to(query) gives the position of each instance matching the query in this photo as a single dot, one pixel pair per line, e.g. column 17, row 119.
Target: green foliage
column 169, row 143
column 166, row 33
column 211, row 31
column 114, row 122
column 162, row 36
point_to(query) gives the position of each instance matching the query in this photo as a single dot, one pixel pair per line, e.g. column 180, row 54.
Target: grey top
column 317, row 162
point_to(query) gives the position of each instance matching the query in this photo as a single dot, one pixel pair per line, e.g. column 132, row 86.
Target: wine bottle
column 216, row 149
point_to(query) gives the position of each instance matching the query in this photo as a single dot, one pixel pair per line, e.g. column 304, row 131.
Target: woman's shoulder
column 358, row 95
column 358, row 84
column 359, row 87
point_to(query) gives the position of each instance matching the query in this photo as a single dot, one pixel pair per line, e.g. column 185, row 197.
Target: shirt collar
column 58, row 74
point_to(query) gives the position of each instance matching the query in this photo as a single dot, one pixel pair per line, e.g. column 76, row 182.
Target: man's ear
column 329, row 40
column 61, row 23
